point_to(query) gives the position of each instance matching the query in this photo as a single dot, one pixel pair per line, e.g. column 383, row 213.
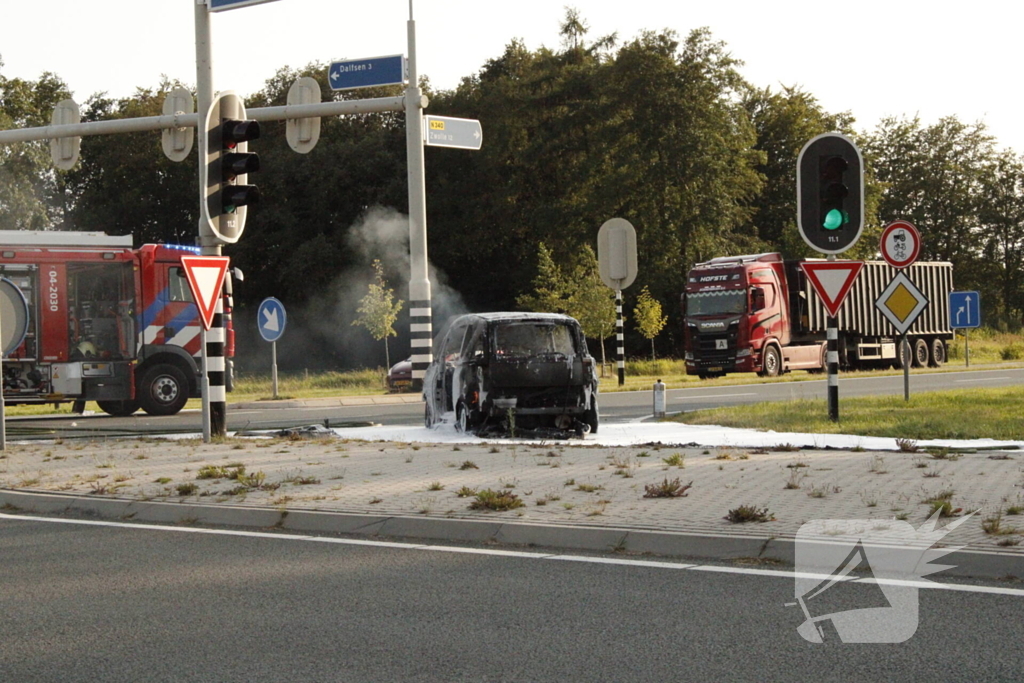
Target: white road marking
column 705, row 397
column 982, row 379
column 963, row 588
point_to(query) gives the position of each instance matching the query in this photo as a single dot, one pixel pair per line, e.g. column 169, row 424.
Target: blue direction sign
column 964, row 309
column 221, row 5
column 367, row 73
column 271, row 319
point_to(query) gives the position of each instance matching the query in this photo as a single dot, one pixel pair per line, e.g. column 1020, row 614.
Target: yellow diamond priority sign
column 901, row 302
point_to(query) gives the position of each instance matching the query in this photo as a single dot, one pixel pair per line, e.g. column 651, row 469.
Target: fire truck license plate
column 718, row 369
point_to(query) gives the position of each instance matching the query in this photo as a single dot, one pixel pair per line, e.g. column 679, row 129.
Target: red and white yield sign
column 832, row 280
column 901, row 243
column 206, row 280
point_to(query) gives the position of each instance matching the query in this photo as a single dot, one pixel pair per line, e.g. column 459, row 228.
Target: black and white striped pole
column 620, row 339
column 616, row 260
column 832, row 351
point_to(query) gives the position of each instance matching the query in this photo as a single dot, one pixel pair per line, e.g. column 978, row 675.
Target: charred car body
column 512, row 372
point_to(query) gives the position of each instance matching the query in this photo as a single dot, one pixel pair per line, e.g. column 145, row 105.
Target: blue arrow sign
column 271, row 319
column 222, row 5
column 964, row 309
column 367, row 73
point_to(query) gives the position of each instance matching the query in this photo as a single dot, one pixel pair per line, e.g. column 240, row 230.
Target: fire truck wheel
column 163, row 390
column 591, row 416
column 118, row 408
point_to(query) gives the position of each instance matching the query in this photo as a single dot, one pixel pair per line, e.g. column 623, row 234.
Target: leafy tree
column 1001, row 219
column 30, row 189
column 649, row 319
column 579, row 293
column 378, row 310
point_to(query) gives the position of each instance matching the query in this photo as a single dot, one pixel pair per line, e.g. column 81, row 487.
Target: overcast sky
column 876, row 58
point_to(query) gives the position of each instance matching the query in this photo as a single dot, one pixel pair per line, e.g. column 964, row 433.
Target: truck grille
column 709, row 352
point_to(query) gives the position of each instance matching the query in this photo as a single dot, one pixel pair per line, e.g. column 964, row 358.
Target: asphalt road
column 615, row 406
column 108, row 603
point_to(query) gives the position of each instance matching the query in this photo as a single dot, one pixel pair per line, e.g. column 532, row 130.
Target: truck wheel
column 938, row 352
column 920, row 353
column 428, row 416
column 118, row 408
column 903, row 355
column 461, row 418
column 772, row 363
column 163, row 390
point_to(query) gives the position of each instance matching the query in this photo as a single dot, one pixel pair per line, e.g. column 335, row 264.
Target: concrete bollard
column 659, row 399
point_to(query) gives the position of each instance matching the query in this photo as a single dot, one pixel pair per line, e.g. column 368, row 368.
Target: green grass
column 962, row 414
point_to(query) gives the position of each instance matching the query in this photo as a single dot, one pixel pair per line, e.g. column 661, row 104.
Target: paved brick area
column 561, row 483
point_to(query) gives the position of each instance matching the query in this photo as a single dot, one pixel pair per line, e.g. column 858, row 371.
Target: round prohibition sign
column 900, row 244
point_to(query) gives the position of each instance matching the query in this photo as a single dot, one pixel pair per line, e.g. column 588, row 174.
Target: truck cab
column 736, row 316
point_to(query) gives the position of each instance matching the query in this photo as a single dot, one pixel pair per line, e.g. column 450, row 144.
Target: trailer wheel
column 938, row 352
column 903, row 355
column 118, row 408
column 920, row 353
column 163, row 390
column 772, row 363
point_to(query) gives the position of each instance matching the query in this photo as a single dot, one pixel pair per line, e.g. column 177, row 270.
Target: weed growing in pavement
column 163, row 480
column 465, row 492
column 676, row 460
column 508, row 483
column 1009, row 542
column 186, row 489
column 943, row 454
column 786, row 447
column 823, row 491
column 489, row 499
column 723, row 454
column 494, row 449
column 906, row 445
column 878, row 465
column 589, row 488
column 468, row 465
column 667, row 489
column 643, row 454
column 932, row 472
column 994, row 525
column 375, row 500
column 232, row 471
column 570, row 482
column 797, row 464
column 749, row 513
column 795, row 478
column 903, row 516
column 548, row 498
column 1014, row 510
column 435, row 486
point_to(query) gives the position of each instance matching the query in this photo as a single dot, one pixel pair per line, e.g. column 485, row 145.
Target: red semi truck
column 106, row 323
column 759, row 313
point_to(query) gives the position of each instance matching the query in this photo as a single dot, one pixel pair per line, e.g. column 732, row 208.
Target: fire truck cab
column 107, row 323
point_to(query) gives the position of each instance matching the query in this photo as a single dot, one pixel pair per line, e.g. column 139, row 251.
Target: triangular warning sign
column 832, row 280
column 206, row 280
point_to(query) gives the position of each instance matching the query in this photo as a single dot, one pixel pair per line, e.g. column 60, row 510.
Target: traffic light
column 830, row 193
column 228, row 163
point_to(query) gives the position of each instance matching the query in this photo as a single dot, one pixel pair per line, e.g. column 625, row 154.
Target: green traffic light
column 835, row 219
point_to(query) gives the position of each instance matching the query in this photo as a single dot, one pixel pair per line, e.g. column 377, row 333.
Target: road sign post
column 832, row 281
column 901, row 303
column 616, row 258
column 965, row 313
column 271, row 319
column 205, row 275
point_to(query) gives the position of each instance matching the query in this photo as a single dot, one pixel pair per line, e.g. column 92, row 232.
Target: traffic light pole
column 214, row 393
column 832, row 361
column 420, row 320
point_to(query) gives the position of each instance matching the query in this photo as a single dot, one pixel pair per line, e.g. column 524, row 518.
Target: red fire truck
column 107, row 323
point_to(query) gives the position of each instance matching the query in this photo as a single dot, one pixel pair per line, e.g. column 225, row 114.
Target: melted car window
column 532, row 339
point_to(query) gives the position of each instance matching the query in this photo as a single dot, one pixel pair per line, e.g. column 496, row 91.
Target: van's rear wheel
column 163, row 390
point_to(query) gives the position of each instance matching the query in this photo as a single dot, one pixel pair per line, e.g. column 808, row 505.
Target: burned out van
column 512, row 372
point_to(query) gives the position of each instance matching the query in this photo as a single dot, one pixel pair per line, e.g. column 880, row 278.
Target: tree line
column 659, row 129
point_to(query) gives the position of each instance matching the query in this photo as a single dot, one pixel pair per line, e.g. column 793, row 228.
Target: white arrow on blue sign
column 367, row 73
column 964, row 309
column 271, row 319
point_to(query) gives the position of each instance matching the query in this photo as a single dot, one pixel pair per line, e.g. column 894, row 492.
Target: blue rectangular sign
column 222, row 5
column 964, row 309
column 367, row 73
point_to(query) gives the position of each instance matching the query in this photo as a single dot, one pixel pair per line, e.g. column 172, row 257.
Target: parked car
column 400, row 376
column 512, row 372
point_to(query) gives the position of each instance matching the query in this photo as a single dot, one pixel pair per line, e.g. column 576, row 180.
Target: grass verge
column 962, row 414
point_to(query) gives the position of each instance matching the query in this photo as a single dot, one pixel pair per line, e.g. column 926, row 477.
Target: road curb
column 979, row 564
